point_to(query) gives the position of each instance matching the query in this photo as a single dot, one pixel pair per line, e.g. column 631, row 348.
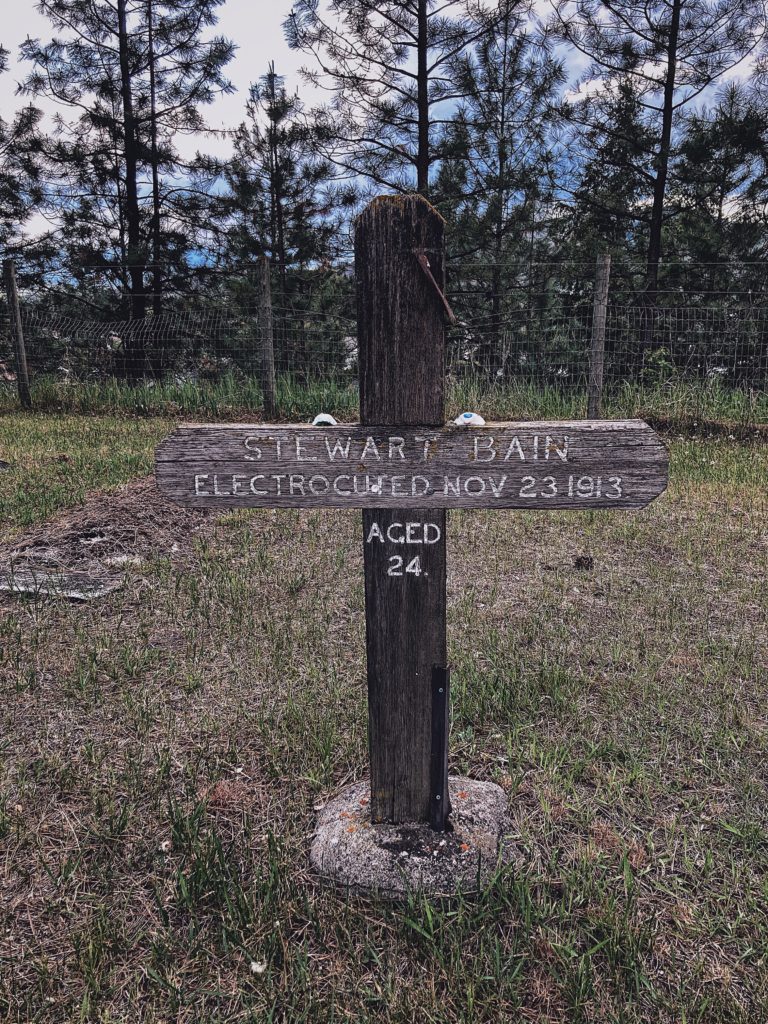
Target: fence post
column 597, row 348
column 266, row 334
column 17, row 333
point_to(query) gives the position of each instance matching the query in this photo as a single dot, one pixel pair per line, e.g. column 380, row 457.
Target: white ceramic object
column 469, row 419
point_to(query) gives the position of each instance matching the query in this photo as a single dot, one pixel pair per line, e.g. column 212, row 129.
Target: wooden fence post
column 266, row 338
column 401, row 338
column 597, row 348
column 17, row 333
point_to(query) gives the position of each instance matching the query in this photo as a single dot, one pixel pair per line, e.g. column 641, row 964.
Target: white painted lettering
column 478, row 485
column 497, row 488
column 450, row 487
column 342, row 450
column 337, row 486
column 370, row 450
column 553, row 446
column 420, row 481
column 301, row 453
column 236, row 483
column 252, row 447
column 488, row 447
column 374, row 534
column 199, row 483
column 515, row 446
column 296, row 484
column 277, row 479
column 430, row 446
column 319, row 481
column 399, row 538
column 396, row 483
column 254, row 488
column 409, row 533
column 436, row 533
column 396, row 445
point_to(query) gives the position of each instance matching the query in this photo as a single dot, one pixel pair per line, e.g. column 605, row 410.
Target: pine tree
column 605, row 204
column 667, row 52
column 283, row 192
column 21, row 182
column 280, row 200
column 721, row 181
column 498, row 163
column 131, row 74
column 390, row 66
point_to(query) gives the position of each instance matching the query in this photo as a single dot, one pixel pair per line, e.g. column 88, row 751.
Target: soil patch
column 110, row 532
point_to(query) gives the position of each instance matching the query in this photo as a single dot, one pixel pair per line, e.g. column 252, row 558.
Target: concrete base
column 395, row 859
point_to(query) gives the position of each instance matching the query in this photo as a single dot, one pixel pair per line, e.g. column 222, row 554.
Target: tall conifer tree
column 21, row 180
column 128, row 77
column 667, row 52
column 390, row 66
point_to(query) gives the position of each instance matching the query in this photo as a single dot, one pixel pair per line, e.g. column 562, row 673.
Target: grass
column 55, row 460
column 231, row 397
column 163, row 749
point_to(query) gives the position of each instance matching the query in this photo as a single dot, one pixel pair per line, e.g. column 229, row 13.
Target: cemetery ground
column 162, row 752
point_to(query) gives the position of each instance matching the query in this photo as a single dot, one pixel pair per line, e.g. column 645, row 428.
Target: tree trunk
column 662, row 160
column 157, row 272
column 135, row 354
column 497, row 358
column 423, row 155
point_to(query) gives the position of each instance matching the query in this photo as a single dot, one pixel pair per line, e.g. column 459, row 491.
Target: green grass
column 231, row 397
column 162, row 751
column 55, row 461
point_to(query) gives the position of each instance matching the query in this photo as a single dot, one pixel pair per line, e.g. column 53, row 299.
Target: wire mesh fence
column 186, row 345
column 534, row 329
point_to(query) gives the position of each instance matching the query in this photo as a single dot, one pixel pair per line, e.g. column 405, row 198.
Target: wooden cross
column 404, row 468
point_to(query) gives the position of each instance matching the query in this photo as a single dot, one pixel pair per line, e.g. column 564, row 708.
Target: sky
column 256, row 28
column 254, row 25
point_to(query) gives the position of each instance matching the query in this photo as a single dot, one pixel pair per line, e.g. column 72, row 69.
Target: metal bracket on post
column 425, row 265
column 440, row 801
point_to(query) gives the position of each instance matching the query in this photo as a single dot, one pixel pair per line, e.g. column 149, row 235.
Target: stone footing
column 350, row 850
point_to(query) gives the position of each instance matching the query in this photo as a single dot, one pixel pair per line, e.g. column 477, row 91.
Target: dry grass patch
column 163, row 751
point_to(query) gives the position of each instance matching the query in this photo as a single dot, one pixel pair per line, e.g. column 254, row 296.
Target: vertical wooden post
column 266, row 338
column 402, row 383
column 17, row 333
column 597, row 349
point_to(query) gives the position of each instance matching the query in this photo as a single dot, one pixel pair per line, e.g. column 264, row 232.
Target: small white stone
column 165, row 846
column 324, row 419
column 258, row 967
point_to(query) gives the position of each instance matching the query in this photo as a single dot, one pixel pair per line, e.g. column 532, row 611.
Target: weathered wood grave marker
column 404, row 468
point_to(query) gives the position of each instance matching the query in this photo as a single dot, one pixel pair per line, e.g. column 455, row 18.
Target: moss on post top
column 402, row 201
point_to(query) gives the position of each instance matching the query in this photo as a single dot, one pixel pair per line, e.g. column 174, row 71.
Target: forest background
column 547, row 134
